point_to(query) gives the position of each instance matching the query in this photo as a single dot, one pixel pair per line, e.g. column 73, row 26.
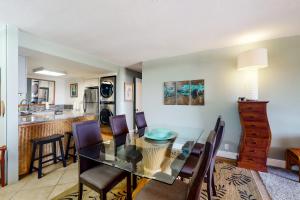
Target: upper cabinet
column 22, row 76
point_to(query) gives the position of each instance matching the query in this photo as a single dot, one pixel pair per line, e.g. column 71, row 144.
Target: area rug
column 281, row 184
column 231, row 183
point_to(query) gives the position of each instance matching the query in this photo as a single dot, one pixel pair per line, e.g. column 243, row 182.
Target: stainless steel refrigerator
column 91, row 100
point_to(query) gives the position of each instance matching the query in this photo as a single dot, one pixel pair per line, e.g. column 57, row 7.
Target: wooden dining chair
column 99, row 177
column 191, row 163
column 119, row 129
column 140, row 120
column 179, row 190
column 198, row 147
column 2, row 163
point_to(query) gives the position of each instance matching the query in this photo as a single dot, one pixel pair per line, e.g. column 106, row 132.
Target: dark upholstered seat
column 189, row 166
column 140, row 120
column 155, row 190
column 179, row 190
column 99, row 177
column 197, row 149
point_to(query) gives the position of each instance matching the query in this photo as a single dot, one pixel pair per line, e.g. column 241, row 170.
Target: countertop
column 50, row 116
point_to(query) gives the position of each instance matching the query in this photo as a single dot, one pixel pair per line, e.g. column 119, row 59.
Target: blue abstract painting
column 170, row 93
column 183, row 92
column 197, row 92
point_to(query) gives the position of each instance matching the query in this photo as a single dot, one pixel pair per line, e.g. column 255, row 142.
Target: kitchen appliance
column 107, row 99
column 91, row 100
column 108, row 89
column 106, row 110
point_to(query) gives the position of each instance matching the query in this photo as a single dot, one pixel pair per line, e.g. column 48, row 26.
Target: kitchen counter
column 47, row 116
column 44, row 124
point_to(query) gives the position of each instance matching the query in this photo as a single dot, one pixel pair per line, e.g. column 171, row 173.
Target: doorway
column 138, row 100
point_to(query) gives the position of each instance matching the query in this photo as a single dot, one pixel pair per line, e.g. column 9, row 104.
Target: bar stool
column 41, row 142
column 68, row 147
column 2, row 164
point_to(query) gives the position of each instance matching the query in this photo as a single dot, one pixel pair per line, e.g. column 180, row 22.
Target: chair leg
column 40, row 161
column 54, row 152
column 213, row 186
column 32, row 158
column 68, row 146
column 80, row 191
column 62, row 153
column 209, row 183
column 102, row 195
column 134, row 181
column 75, row 155
column 129, row 195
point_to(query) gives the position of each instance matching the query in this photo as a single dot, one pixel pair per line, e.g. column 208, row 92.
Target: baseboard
column 270, row 161
column 227, row 154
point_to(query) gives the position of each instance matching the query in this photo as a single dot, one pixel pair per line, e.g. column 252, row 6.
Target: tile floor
column 56, row 180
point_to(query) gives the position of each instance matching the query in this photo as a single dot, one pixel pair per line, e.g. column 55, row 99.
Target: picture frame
column 74, row 90
column 128, row 91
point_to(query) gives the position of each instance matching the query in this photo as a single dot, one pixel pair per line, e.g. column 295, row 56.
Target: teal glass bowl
column 160, row 134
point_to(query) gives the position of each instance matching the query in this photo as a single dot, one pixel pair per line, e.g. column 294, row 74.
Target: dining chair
column 198, row 147
column 99, row 177
column 140, row 120
column 180, row 190
column 191, row 163
column 119, row 129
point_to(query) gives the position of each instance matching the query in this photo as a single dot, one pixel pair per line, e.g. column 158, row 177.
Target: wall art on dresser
column 197, row 92
column 170, row 93
column 183, row 92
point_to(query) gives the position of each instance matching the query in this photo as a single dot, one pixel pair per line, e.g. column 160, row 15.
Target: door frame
column 134, row 100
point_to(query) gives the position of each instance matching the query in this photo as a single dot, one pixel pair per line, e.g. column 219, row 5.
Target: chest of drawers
column 256, row 135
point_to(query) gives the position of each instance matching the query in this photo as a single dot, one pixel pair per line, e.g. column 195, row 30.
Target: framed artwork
column 170, row 93
column 128, row 91
column 197, row 92
column 183, row 92
column 74, row 90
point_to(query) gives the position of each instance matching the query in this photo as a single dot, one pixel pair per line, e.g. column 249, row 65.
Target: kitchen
column 54, row 93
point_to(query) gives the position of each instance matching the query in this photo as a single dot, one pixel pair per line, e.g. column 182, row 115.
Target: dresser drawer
column 254, row 152
column 252, row 108
column 255, row 125
column 253, row 116
column 257, row 133
column 256, row 143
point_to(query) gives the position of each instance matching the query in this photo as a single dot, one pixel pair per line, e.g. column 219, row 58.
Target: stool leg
column 40, row 161
column 62, row 153
column 68, row 146
column 2, row 171
column 54, row 152
column 32, row 158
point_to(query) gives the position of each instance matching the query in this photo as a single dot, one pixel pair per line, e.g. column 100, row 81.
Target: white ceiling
column 129, row 31
column 74, row 70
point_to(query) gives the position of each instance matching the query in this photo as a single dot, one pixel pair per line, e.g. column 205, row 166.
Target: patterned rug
column 231, row 183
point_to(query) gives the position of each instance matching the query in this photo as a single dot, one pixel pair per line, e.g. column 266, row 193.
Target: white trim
column 227, row 154
column 276, row 163
column 270, row 161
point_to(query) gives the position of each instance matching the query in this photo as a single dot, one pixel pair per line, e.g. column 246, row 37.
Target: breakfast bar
column 40, row 125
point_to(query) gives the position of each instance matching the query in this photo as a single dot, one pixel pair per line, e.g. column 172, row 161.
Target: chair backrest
column 140, row 120
column 202, row 168
column 86, row 133
column 119, row 128
column 218, row 123
column 219, row 137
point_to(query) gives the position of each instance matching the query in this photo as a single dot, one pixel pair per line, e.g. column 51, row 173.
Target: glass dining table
column 143, row 155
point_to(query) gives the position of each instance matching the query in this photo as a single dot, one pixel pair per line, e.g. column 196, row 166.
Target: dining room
column 190, row 100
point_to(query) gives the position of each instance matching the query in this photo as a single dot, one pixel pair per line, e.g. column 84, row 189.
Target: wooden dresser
column 256, row 136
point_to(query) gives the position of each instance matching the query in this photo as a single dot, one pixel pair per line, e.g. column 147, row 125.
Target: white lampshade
column 253, row 59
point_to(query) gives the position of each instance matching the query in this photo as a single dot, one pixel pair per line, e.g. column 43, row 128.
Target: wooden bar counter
column 41, row 125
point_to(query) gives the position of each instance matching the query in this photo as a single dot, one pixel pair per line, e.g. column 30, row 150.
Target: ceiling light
column 47, row 72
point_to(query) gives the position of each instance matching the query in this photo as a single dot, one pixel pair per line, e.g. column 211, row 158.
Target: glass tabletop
column 154, row 153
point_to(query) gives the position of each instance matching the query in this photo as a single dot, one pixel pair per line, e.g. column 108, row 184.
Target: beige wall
column 224, row 84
